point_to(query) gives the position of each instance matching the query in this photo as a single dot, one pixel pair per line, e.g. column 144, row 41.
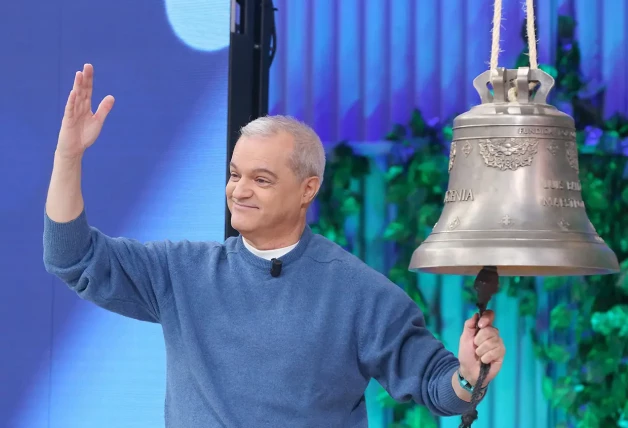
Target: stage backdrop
column 354, row 68
column 156, row 172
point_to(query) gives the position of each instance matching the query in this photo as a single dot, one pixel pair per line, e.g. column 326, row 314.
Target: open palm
column 80, row 127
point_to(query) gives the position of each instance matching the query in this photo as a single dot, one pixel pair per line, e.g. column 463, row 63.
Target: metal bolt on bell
column 514, row 196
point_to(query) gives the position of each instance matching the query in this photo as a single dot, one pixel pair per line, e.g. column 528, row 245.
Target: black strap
column 486, row 285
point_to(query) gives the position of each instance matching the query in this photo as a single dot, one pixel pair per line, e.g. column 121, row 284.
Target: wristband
column 464, row 384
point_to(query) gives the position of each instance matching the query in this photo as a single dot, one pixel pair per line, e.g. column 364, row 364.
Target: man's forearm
column 65, row 199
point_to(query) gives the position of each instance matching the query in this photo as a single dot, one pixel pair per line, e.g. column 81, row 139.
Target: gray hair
column 308, row 156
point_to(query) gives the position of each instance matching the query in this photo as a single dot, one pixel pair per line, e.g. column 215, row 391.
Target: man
column 247, row 347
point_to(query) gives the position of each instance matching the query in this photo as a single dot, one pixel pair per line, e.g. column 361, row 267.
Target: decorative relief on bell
column 452, row 155
column 467, row 148
column 508, row 153
column 507, row 221
column 563, row 224
column 454, row 224
column 572, row 154
column 553, row 147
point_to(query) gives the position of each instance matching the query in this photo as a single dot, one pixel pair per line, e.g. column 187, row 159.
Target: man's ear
column 310, row 189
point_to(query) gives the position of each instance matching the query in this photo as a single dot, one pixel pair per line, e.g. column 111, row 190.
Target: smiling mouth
column 243, row 206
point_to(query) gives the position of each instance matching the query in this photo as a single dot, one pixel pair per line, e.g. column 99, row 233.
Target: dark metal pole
column 253, row 40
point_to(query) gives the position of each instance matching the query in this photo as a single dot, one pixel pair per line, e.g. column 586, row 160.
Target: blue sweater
column 245, row 349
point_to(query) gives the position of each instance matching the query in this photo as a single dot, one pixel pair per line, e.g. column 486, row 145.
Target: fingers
column 79, row 100
column 73, row 102
column 470, row 323
column 485, row 334
column 490, row 348
column 104, row 108
column 78, row 78
column 487, row 319
column 88, row 80
column 494, row 355
column 79, row 94
column 69, row 106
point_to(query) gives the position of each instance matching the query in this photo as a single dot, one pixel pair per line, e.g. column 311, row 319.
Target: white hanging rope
column 497, row 26
column 531, row 34
column 497, row 21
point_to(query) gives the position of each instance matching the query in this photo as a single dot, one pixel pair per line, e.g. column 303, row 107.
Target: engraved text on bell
column 459, row 195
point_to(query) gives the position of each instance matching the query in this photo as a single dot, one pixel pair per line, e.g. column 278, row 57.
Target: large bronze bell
column 514, row 197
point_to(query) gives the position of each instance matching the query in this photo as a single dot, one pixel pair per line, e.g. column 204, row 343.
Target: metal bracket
column 502, row 80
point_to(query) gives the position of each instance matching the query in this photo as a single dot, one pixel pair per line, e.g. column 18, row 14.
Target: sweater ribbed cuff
column 448, row 399
column 65, row 244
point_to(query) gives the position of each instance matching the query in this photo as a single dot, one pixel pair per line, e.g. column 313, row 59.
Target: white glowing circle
column 201, row 24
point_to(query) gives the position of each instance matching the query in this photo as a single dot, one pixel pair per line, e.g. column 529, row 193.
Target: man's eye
column 262, row 181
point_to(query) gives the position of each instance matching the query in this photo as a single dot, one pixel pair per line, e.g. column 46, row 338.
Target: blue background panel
column 156, row 172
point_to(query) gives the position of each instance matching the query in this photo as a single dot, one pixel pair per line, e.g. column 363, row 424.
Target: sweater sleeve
column 397, row 350
column 118, row 274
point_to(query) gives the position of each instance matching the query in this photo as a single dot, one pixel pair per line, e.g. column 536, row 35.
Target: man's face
column 263, row 193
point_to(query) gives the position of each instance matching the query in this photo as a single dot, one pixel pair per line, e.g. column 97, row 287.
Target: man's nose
column 242, row 189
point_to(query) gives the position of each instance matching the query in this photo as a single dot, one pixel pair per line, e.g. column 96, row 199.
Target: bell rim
column 521, row 259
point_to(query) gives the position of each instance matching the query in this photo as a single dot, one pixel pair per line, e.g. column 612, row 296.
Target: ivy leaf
column 343, row 151
column 528, row 304
column 448, row 133
column 564, row 393
column 552, row 283
column 557, row 353
column 596, row 199
column 418, row 298
column 417, row 124
column 619, row 389
column 623, row 419
column 560, row 317
column 400, row 275
column 549, row 70
column 469, row 294
column 350, row 206
column 396, row 231
column 428, row 215
column 360, row 167
column 398, row 133
column 600, row 363
column 622, row 280
column 589, row 419
column 385, row 400
column 394, row 172
column 331, row 235
column 419, row 417
column 579, row 291
column 398, row 193
column 548, row 388
column 614, row 321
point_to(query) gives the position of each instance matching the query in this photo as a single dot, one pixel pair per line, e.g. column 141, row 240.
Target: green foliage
column 593, row 311
column 340, row 197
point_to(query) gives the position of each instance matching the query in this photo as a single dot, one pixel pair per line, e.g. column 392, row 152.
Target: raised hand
column 80, row 127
